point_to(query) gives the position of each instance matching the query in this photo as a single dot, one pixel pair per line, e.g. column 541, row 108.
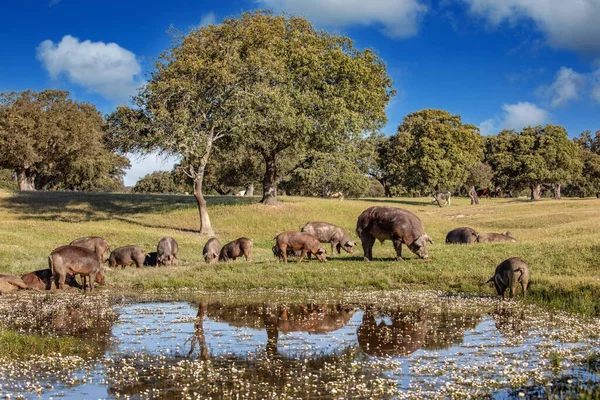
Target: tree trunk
column 439, row 199
column 473, row 196
column 250, row 190
column 26, row 180
column 205, row 227
column 269, row 181
column 536, row 192
column 557, row 191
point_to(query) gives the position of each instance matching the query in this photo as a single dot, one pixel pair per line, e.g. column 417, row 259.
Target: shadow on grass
column 85, row 206
column 398, row 201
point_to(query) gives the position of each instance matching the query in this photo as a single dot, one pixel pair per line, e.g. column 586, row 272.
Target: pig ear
column 428, row 238
column 350, row 243
column 420, row 241
column 321, row 250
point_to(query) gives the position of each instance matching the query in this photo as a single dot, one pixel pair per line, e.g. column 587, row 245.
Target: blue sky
column 499, row 64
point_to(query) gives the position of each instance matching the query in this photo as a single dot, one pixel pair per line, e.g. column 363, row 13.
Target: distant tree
column 7, row 180
column 588, row 183
column 434, row 151
column 158, row 182
column 479, row 175
column 61, row 143
column 322, row 174
column 379, row 162
column 538, row 155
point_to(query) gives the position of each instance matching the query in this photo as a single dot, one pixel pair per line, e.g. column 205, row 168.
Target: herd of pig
column 85, row 256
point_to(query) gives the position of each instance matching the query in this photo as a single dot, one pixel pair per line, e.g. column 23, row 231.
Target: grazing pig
column 72, row 260
column 127, row 255
column 167, row 251
column 9, row 283
column 211, row 250
column 509, row 274
column 461, row 235
column 235, row 249
column 42, row 280
column 93, row 243
column 400, row 226
column 496, row 237
column 151, row 259
column 290, row 252
column 302, row 241
column 329, row 233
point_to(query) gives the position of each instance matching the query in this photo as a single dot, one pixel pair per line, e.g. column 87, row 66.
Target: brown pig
column 461, row 235
column 305, row 242
column 167, row 251
column 496, row 237
column 509, row 274
column 395, row 224
column 9, row 283
column 211, row 250
column 94, row 243
column 235, row 249
column 127, row 255
column 329, row 233
column 72, row 260
column 42, row 280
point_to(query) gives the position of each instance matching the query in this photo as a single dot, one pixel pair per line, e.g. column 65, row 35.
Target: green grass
column 19, row 346
column 560, row 240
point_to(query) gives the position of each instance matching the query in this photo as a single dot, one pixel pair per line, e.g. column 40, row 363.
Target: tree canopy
column 537, row 155
column 432, row 151
column 60, row 142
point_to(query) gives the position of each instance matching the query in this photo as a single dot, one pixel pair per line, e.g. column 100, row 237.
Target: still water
column 403, row 347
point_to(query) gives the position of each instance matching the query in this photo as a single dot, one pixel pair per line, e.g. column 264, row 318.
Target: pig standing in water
column 94, row 243
column 329, row 233
column 72, row 260
column 127, row 255
column 211, row 250
column 509, row 274
column 235, row 249
column 398, row 225
column 167, row 251
column 300, row 241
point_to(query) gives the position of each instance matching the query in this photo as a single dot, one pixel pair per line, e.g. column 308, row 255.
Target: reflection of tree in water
column 411, row 330
column 268, row 374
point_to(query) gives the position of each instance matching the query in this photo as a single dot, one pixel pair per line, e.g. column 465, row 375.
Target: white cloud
column 567, row 24
column 399, row 18
column 104, row 68
column 208, row 19
column 515, row 116
column 566, row 87
column 147, row 165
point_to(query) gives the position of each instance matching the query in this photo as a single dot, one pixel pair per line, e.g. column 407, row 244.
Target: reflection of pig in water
column 509, row 322
column 403, row 336
column 313, row 318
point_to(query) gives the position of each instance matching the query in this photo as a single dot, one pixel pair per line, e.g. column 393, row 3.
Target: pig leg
column 83, row 278
column 92, row 280
column 333, row 247
column 302, row 255
column 60, row 281
column 283, row 252
column 513, row 288
column 367, row 243
column 398, row 248
column 339, row 248
column 247, row 256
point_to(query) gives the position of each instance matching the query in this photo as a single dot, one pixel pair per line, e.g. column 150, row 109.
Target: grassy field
column 560, row 240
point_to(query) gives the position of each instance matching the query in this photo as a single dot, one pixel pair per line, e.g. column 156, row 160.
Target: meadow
column 560, row 240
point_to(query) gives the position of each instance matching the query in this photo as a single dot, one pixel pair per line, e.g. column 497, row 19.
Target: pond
column 377, row 345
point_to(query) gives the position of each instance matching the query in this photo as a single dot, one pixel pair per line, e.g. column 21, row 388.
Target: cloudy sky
column 499, row 64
